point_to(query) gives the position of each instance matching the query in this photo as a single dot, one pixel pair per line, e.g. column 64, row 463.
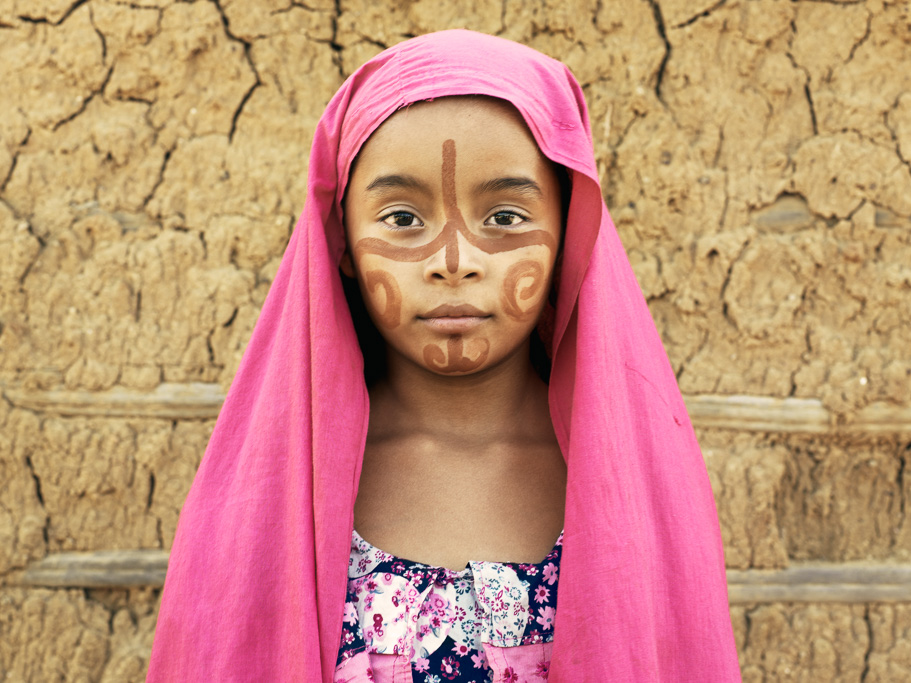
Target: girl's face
column 453, row 220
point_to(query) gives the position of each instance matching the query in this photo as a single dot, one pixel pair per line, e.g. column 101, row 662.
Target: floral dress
column 407, row 622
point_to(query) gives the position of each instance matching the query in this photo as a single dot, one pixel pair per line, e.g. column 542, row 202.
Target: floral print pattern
column 491, row 622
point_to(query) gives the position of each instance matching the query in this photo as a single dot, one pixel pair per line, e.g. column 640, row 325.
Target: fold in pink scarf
column 256, row 582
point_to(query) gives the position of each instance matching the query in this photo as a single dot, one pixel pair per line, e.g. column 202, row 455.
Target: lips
column 454, row 318
column 455, row 311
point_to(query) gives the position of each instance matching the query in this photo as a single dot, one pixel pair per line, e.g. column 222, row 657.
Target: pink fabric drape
column 256, row 583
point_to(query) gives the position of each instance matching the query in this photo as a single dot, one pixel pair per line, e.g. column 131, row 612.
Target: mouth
column 454, row 319
column 454, row 311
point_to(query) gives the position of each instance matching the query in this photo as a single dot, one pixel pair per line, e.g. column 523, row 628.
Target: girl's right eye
column 401, row 219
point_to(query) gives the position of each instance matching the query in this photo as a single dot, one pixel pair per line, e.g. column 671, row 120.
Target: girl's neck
column 503, row 403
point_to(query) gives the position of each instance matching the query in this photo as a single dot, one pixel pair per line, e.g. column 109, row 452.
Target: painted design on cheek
column 453, row 359
column 514, row 293
column 390, row 316
column 448, row 238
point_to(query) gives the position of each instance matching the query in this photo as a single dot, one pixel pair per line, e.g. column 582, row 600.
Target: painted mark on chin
column 390, row 316
column 453, row 359
column 519, row 298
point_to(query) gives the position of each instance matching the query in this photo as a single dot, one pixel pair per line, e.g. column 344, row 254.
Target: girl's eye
column 401, row 219
column 506, row 219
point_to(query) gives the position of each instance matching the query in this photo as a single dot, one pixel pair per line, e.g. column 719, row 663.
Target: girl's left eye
column 506, row 219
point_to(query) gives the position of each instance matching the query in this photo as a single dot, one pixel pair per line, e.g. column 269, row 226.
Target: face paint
column 391, row 313
column 455, row 225
column 457, row 251
column 452, row 360
column 514, row 291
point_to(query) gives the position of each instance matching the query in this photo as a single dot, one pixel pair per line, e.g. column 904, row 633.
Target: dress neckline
column 367, row 546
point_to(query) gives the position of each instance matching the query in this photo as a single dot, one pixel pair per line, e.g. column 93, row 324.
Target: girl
column 408, row 527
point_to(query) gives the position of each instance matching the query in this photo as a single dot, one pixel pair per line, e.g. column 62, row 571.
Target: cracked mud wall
column 755, row 155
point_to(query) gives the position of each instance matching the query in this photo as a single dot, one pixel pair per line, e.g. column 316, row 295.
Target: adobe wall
column 755, row 155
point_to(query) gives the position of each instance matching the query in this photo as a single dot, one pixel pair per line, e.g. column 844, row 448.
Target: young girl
column 519, row 436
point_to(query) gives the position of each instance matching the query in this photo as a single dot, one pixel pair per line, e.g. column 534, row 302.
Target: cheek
column 385, row 297
column 523, row 289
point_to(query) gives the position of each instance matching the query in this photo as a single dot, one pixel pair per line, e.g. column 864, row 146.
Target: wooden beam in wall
column 199, row 400
column 174, row 401
column 98, row 569
column 805, row 582
column 800, row 415
column 822, row 582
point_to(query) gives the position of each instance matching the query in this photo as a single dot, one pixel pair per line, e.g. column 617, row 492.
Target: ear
column 347, row 264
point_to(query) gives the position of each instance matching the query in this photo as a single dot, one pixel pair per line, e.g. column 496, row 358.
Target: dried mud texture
column 148, row 184
column 761, row 235
column 889, row 656
column 747, row 476
column 74, row 635
column 800, row 497
column 74, row 484
column 803, row 643
column 755, row 155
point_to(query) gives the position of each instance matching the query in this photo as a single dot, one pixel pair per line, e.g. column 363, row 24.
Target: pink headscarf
column 256, row 582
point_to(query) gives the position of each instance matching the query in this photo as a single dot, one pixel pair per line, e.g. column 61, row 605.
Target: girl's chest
column 447, row 512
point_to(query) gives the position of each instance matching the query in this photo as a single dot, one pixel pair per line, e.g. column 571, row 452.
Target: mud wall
column 755, row 157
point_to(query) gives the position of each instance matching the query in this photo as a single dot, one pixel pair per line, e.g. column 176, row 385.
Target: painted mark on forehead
column 454, row 221
column 448, row 238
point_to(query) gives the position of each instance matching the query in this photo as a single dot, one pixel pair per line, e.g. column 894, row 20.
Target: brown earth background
column 754, row 154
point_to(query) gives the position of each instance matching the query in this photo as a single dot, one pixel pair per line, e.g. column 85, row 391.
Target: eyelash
column 394, row 226
column 394, row 214
column 522, row 218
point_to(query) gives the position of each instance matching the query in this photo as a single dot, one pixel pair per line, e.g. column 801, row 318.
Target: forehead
column 485, row 130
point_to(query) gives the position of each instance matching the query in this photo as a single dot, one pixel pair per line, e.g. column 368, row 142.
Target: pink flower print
column 350, row 613
column 543, row 669
column 435, row 622
column 371, row 585
column 533, row 571
column 460, row 649
column 449, row 668
column 378, row 624
column 510, row 675
column 550, row 573
column 480, row 661
column 348, row 637
column 438, row 603
column 421, row 664
column 541, row 594
column 547, row 617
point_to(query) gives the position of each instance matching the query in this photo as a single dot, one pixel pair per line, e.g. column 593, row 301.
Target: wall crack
column 659, row 24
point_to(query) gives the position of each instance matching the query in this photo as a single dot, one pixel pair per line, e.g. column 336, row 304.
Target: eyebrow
column 519, row 184
column 396, row 181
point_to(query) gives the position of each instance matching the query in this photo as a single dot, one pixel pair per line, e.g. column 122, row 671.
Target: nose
column 456, row 260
